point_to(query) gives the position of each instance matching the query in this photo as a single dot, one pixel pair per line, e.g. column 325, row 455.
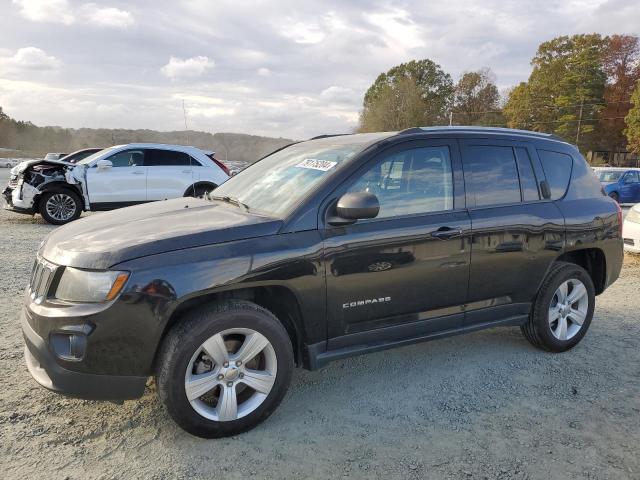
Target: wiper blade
column 231, row 200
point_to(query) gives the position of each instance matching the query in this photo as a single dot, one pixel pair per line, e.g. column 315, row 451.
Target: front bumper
column 7, row 202
column 46, row 370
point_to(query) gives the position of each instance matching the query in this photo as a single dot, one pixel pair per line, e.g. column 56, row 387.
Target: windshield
column 276, row 184
column 607, row 176
column 91, row 158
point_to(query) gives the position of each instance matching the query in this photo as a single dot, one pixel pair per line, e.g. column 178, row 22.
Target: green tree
column 565, row 91
column 476, row 99
column 435, row 89
column 633, row 122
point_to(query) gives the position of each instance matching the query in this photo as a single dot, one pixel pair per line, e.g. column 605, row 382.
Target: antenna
column 184, row 112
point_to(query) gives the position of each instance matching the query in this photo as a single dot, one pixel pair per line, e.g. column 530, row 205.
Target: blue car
column 621, row 184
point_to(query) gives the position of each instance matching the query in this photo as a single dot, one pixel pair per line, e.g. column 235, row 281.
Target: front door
column 630, row 188
column 125, row 182
column 408, row 268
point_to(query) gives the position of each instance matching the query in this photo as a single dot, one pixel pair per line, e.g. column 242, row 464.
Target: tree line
column 584, row 88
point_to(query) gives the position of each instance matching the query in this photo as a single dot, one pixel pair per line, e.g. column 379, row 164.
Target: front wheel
column 224, row 369
column 60, row 206
column 563, row 309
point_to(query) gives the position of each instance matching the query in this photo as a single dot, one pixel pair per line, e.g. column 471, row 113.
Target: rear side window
column 491, row 175
column 557, row 168
column 168, row 158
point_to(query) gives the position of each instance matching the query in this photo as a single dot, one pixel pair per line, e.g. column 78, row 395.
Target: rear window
column 557, row 168
column 168, row 158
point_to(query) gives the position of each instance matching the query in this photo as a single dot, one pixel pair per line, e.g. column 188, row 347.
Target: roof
column 185, row 148
column 482, row 130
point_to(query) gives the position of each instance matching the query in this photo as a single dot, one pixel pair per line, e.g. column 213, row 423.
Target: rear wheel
column 615, row 196
column 224, row 369
column 60, row 206
column 563, row 310
column 201, row 191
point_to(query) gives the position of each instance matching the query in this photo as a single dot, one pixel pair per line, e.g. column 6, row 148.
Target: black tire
column 183, row 340
column 538, row 330
column 72, row 197
column 200, row 191
column 615, row 196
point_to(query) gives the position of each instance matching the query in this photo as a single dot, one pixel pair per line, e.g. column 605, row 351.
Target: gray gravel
column 485, row 405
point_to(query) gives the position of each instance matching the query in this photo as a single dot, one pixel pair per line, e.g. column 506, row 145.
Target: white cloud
column 340, row 94
column 178, row 68
column 304, row 33
column 54, row 11
column 264, row 72
column 106, row 16
column 29, row 58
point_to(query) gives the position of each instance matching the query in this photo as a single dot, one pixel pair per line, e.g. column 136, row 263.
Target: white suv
column 111, row 178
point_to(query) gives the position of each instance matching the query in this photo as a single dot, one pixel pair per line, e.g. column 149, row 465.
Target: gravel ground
column 485, row 405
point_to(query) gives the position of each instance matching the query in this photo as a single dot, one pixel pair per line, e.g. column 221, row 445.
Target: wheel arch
column 279, row 300
column 57, row 185
column 204, row 183
column 593, row 260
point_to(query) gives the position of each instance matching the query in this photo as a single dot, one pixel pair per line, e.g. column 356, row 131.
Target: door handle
column 138, row 173
column 186, row 171
column 444, row 233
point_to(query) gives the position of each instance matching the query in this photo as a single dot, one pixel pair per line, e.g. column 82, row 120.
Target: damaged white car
column 111, row 178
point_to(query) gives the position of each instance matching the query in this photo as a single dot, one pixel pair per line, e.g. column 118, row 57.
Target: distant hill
column 33, row 140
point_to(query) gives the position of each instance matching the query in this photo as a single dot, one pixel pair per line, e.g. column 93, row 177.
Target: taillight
column 619, row 218
column 224, row 168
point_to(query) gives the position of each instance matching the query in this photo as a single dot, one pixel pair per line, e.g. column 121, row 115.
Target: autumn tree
column 621, row 64
column 565, row 91
column 632, row 120
column 476, row 99
column 418, row 84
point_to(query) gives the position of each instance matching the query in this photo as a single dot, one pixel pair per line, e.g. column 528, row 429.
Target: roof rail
column 479, row 129
column 330, row 135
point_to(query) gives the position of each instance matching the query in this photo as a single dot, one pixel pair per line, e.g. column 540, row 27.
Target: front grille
column 629, row 241
column 41, row 278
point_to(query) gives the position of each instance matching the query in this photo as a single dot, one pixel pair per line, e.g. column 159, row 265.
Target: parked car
column 78, row 155
column 10, row 162
column 54, row 156
column 631, row 230
column 324, row 249
column 111, row 178
column 621, row 184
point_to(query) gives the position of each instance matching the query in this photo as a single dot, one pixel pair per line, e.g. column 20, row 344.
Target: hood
column 22, row 166
column 105, row 239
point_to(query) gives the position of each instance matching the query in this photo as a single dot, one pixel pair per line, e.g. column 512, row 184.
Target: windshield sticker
column 315, row 164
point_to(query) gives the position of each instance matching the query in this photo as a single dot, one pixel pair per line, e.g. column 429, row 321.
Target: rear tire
column 563, row 309
column 200, row 191
column 224, row 368
column 58, row 207
column 615, row 196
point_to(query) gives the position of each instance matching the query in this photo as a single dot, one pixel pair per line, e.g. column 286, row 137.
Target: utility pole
column 579, row 121
column 451, row 118
column 184, row 112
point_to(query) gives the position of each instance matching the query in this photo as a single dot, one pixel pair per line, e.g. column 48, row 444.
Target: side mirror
column 355, row 206
column 102, row 164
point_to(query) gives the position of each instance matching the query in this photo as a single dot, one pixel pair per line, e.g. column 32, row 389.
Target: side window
column 528, row 182
column 167, row 158
column 557, row 168
column 410, row 182
column 127, row 158
column 491, row 175
column 631, row 177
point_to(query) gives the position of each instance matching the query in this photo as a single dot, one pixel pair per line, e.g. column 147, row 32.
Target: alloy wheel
column 568, row 309
column 230, row 374
column 61, row 207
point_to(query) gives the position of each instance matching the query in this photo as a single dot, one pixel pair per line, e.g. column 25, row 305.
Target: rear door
column 124, row 182
column 515, row 232
column 169, row 173
column 408, row 268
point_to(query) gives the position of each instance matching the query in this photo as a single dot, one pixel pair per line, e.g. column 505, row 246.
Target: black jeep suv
column 328, row 248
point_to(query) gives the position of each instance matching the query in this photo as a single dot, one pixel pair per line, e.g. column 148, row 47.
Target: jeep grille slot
column 43, row 273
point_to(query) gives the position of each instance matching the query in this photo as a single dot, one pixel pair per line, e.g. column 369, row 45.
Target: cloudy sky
column 290, row 68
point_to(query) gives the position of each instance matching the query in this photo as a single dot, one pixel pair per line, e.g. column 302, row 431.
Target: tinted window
column 557, row 168
column 127, row 158
column 168, row 158
column 631, row 177
column 528, row 182
column 606, row 176
column 409, row 182
column 491, row 175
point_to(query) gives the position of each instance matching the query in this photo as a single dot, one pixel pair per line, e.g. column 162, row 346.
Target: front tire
column 58, row 207
column 225, row 368
column 563, row 309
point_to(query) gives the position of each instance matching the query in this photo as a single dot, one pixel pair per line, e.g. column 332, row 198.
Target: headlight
column 87, row 286
column 633, row 216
